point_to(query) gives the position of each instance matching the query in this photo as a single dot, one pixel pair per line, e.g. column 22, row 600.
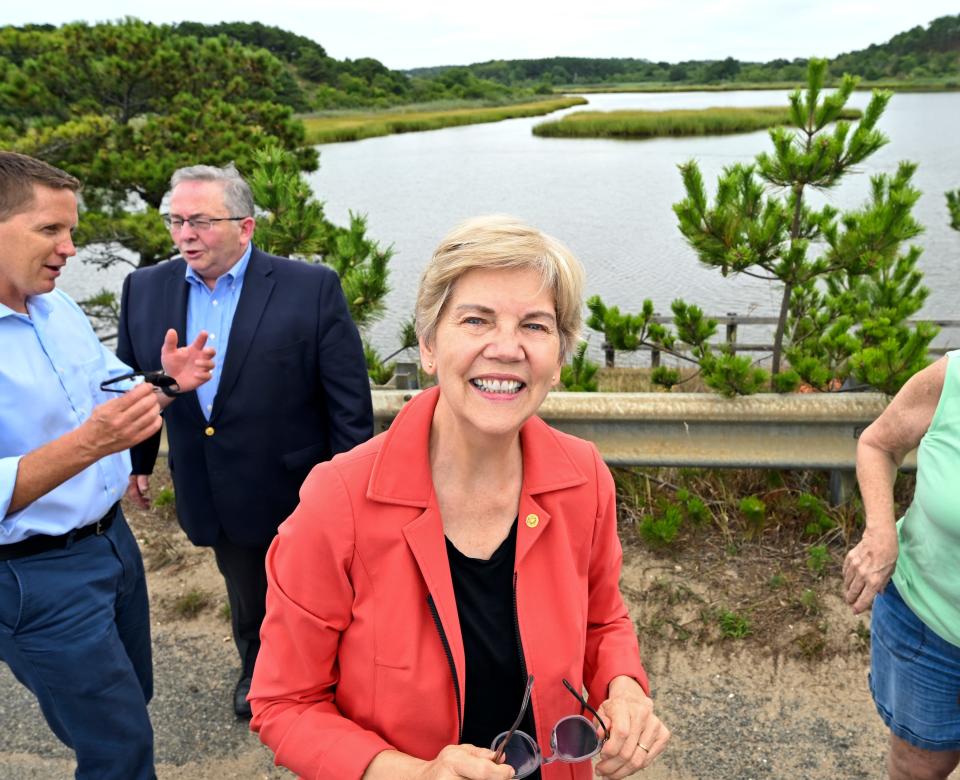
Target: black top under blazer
column 293, row 392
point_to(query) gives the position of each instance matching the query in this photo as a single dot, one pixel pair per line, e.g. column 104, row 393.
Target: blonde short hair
column 494, row 242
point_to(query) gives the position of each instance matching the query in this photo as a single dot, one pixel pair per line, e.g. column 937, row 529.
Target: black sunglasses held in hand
column 572, row 740
column 167, row 384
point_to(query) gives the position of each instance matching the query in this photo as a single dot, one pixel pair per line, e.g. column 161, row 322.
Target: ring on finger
column 643, row 747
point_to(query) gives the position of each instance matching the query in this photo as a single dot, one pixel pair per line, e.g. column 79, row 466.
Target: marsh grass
column 941, row 84
column 653, row 124
column 330, row 128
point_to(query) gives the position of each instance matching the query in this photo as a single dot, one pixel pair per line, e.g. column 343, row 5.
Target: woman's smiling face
column 496, row 349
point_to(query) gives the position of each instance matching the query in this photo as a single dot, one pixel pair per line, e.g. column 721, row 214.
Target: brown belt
column 39, row 543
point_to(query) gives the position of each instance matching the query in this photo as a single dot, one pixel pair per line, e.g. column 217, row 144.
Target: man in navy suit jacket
column 289, row 390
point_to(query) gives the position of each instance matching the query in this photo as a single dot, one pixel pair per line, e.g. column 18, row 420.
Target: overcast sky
column 413, row 33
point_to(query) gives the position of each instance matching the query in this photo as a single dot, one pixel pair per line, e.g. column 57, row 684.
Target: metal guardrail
column 796, row 431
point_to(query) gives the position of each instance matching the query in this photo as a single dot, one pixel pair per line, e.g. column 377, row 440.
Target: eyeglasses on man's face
column 200, row 224
column 573, row 739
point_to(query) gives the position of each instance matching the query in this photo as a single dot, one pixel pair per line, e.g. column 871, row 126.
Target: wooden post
column 654, row 358
column 608, row 354
column 732, row 332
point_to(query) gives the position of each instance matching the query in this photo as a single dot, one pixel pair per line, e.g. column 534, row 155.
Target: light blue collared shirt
column 212, row 311
column 51, row 367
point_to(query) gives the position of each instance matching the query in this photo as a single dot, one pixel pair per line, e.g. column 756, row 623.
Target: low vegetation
column 190, row 604
column 354, row 126
column 652, row 124
column 719, row 557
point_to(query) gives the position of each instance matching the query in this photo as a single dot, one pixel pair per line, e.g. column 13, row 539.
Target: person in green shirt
column 908, row 570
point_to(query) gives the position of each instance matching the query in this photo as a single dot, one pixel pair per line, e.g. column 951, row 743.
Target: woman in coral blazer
column 430, row 575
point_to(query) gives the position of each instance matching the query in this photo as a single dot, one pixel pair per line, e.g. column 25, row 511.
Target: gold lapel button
column 533, row 521
column 209, row 430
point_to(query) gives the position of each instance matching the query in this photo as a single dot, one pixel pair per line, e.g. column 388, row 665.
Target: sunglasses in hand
column 573, row 739
column 167, row 384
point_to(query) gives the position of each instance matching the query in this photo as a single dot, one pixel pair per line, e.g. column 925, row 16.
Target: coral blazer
column 361, row 646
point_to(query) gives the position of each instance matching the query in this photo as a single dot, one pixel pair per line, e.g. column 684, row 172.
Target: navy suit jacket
column 293, row 392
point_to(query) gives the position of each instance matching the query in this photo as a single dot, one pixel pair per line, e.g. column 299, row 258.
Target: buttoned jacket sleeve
column 343, row 370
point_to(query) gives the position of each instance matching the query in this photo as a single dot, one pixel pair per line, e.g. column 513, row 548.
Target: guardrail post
column 842, row 485
column 406, row 376
column 609, row 354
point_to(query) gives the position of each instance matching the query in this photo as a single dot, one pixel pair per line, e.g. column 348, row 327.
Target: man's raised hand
column 191, row 365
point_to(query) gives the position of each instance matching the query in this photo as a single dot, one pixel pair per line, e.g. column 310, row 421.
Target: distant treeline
column 328, row 83
column 921, row 54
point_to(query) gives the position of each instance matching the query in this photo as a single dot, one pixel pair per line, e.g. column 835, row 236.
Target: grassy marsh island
column 354, row 126
column 653, row 124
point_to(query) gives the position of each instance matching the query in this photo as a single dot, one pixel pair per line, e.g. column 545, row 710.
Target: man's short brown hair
column 19, row 174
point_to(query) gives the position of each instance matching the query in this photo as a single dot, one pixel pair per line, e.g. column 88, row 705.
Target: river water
column 610, row 201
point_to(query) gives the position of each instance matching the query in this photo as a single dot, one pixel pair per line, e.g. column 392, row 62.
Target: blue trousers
column 75, row 630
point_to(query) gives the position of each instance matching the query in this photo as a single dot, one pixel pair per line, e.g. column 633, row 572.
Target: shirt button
column 213, row 336
column 533, row 521
column 215, row 303
column 209, row 430
column 209, row 408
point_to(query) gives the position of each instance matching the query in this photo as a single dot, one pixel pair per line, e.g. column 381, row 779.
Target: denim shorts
column 914, row 676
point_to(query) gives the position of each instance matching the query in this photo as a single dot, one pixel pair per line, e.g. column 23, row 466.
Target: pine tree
column 580, row 375
column 953, row 204
column 859, row 280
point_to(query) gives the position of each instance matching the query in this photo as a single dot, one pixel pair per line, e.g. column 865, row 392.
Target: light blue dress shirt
column 51, row 367
column 212, row 311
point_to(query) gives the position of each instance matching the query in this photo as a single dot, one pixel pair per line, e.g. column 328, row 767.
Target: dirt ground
column 745, row 699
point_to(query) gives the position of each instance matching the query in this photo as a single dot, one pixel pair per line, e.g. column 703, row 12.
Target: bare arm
column 114, row 426
column 880, row 451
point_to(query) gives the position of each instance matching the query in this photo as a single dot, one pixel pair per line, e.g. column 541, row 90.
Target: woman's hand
column 465, row 761
column 454, row 762
column 637, row 736
column 869, row 566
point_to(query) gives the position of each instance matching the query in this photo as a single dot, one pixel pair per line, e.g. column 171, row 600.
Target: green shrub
column 754, row 512
column 733, row 625
column 818, row 519
column 661, row 529
column 580, row 375
column 665, row 377
column 810, row 602
column 818, row 557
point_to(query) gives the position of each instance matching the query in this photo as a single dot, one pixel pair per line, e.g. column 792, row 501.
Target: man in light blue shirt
column 74, row 622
